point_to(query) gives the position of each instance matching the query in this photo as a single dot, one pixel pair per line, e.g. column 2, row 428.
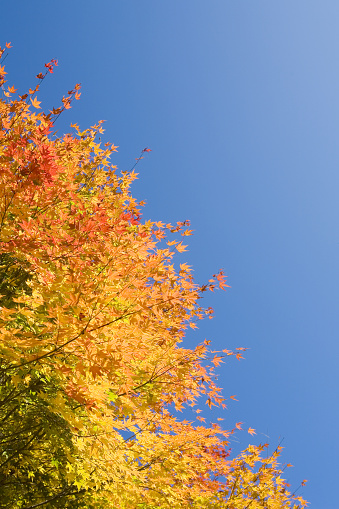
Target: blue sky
column 239, row 103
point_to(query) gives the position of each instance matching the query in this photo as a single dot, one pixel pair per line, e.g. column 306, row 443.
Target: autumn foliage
column 92, row 320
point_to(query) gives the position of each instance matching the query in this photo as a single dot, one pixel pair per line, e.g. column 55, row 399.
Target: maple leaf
column 221, row 280
column 180, row 247
column 251, row 431
column 187, row 233
column 35, row 103
column 66, row 103
column 217, row 360
column 228, row 352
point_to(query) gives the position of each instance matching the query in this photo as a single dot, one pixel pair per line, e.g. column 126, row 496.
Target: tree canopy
column 93, row 315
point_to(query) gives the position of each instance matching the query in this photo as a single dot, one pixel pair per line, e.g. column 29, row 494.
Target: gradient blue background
column 239, row 102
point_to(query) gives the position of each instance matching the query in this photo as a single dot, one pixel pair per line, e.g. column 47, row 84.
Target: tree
column 93, row 316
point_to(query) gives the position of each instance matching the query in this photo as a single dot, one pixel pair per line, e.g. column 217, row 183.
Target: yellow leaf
column 16, row 379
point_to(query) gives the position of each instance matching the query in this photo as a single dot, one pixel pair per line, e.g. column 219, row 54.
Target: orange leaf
column 221, row 280
column 251, row 431
column 228, row 352
column 216, row 360
column 181, row 248
column 35, row 103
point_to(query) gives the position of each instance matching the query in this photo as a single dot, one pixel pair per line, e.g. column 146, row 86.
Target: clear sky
column 239, row 102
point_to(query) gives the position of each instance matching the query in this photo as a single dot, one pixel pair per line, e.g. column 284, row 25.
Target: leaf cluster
column 92, row 318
